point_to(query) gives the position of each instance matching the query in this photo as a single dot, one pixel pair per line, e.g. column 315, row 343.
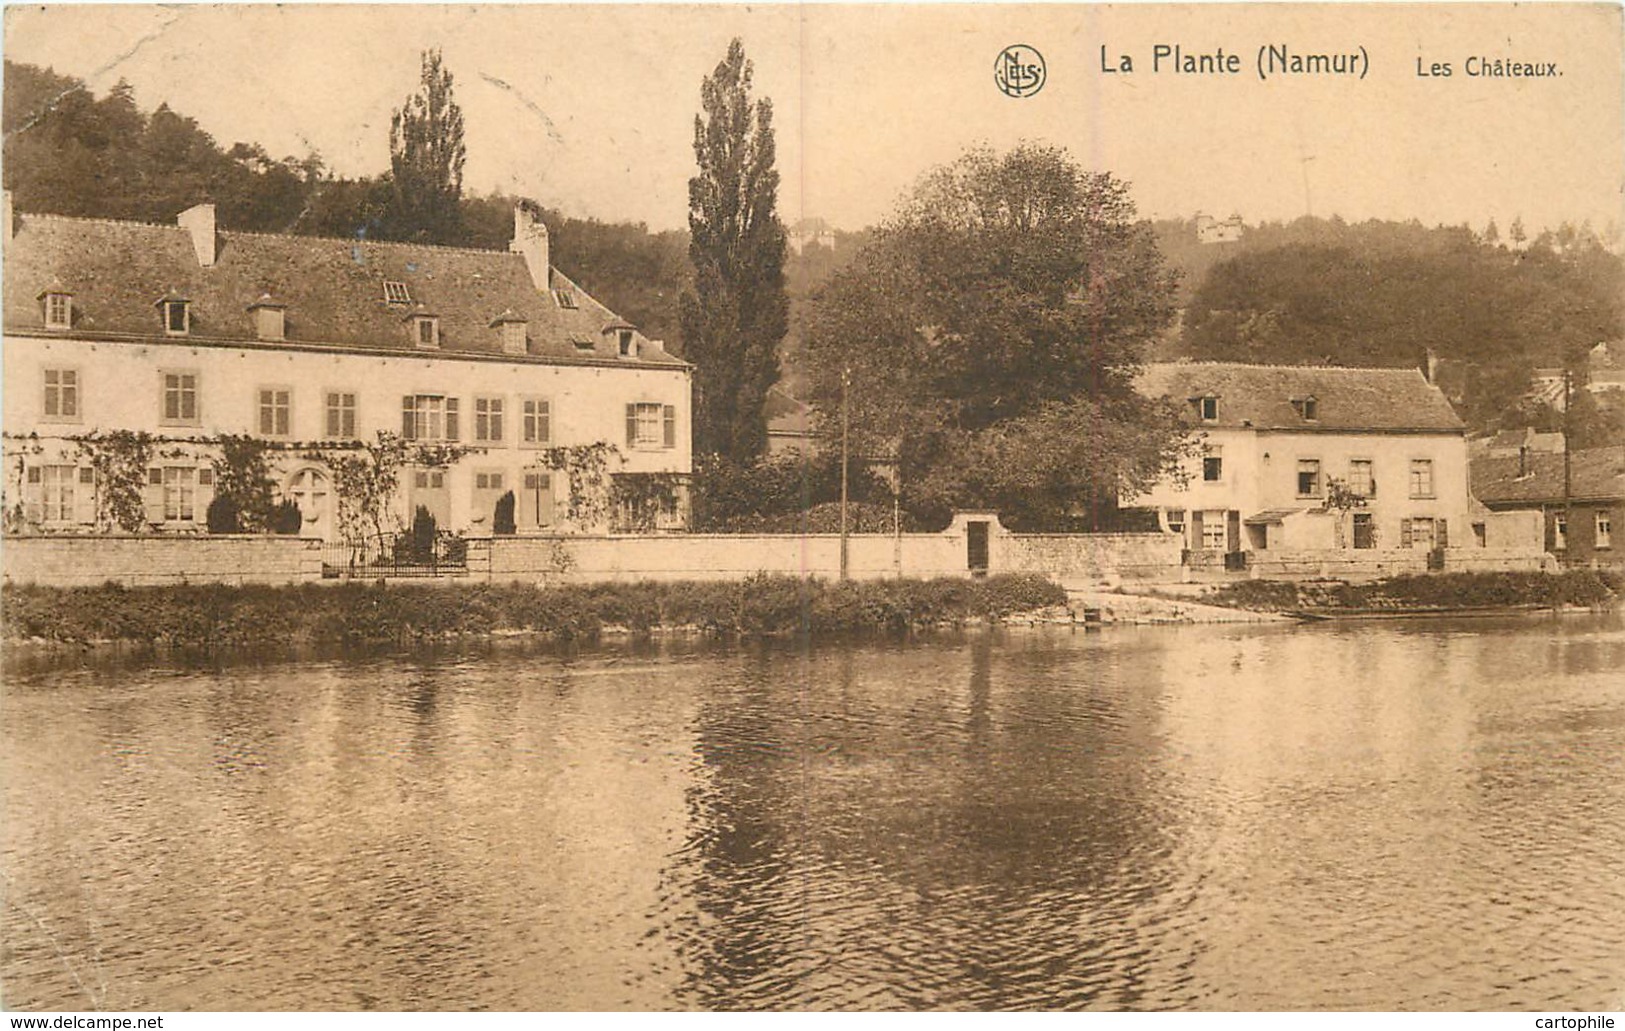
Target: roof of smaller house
column 1346, row 399
column 1594, row 474
column 1272, row 515
column 785, row 414
column 1508, row 442
column 332, row 290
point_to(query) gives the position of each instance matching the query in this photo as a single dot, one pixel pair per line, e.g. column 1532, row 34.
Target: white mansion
column 492, row 360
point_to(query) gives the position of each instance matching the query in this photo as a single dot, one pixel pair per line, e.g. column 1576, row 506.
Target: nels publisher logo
column 1019, row 71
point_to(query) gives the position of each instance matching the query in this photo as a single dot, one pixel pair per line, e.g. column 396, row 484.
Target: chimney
column 199, row 221
column 1430, row 365
column 530, row 240
column 7, row 224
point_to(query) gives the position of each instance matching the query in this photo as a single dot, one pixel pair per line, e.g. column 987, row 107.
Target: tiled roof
column 1595, row 474
column 333, row 289
column 786, row 414
column 1346, row 399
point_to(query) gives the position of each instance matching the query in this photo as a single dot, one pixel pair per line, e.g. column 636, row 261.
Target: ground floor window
column 1423, row 532
column 1604, row 529
column 175, row 487
column 58, row 494
column 1560, row 532
column 1213, row 530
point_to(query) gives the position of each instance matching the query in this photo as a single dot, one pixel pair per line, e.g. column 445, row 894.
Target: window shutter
column 153, row 496
column 407, row 410
column 84, row 496
column 451, row 419
column 1404, row 533
column 32, row 509
column 1196, row 530
column 631, row 425
column 203, row 495
column 1443, row 540
column 669, row 423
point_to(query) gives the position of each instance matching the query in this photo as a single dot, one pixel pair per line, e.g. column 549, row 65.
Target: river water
column 1425, row 815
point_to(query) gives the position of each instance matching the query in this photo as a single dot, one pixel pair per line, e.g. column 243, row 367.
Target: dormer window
column 625, row 336
column 395, row 292
column 270, row 321
column 1208, row 407
column 58, row 310
column 1307, row 407
column 426, row 330
column 177, row 315
column 513, row 330
column 565, row 299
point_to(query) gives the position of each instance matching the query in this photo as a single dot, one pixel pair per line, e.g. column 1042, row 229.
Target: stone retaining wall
column 70, row 561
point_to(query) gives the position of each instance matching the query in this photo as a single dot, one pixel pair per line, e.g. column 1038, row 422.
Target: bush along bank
column 1441, row 592
column 217, row 615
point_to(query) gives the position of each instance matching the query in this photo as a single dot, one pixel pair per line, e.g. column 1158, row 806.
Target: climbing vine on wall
column 120, row 459
column 639, row 499
column 367, row 479
column 586, row 468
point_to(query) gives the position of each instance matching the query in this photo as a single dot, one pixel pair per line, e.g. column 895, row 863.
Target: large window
column 62, row 395
column 1421, row 477
column 488, row 419
column 1604, row 529
column 340, row 423
column 180, row 401
column 1214, row 535
column 178, row 486
column 651, row 425
column 53, row 491
column 1212, row 465
column 536, row 422
column 429, row 417
column 1308, row 477
column 1362, row 482
column 276, row 411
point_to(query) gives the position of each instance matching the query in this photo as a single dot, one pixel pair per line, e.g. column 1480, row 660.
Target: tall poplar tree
column 737, row 312
column 426, row 155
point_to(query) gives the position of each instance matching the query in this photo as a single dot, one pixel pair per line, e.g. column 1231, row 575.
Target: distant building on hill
column 810, row 231
column 1211, row 230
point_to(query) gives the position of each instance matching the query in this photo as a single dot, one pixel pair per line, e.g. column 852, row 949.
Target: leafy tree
column 737, row 312
column 987, row 337
column 426, row 156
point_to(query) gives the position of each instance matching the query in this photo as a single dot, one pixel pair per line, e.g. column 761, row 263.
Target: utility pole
column 1568, row 486
column 846, row 375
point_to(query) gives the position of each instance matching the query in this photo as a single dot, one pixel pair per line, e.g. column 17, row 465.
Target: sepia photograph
column 813, row 507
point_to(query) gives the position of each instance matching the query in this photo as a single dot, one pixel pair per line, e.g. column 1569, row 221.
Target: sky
column 590, row 109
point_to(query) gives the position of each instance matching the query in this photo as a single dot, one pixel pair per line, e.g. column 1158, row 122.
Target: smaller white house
column 1304, row 458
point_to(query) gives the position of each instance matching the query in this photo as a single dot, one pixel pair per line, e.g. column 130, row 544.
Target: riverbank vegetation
column 1446, row 591
column 217, row 615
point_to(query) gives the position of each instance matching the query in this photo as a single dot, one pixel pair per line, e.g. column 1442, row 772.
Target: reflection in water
column 1372, row 816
